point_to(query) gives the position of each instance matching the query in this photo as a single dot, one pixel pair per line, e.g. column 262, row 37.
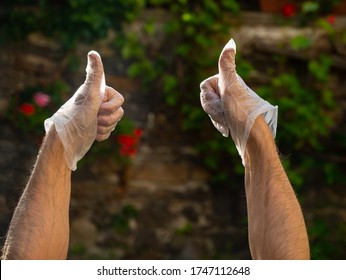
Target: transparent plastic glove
column 76, row 121
column 231, row 104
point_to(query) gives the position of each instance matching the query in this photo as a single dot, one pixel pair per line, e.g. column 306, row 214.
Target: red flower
column 289, row 10
column 128, row 150
column 27, row 109
column 138, row 132
column 331, row 19
column 129, row 143
column 126, row 140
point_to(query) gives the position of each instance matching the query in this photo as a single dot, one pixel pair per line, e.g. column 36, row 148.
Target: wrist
column 260, row 147
column 52, row 149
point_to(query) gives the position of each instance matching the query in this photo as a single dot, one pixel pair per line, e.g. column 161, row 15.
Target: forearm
column 276, row 224
column 40, row 224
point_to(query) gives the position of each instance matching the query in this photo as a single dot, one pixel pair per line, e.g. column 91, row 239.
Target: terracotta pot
column 274, row 6
column 340, row 9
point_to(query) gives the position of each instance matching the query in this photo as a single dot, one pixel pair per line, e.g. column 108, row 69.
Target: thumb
column 227, row 62
column 95, row 76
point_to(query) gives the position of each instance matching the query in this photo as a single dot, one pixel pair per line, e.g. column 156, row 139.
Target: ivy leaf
column 300, row 42
column 320, row 67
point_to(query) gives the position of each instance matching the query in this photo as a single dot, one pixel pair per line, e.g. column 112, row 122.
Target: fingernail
column 92, row 60
column 231, row 45
column 93, row 54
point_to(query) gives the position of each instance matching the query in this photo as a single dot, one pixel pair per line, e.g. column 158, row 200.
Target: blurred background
column 166, row 184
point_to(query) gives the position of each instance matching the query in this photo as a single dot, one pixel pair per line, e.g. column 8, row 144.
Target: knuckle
column 121, row 112
column 121, row 98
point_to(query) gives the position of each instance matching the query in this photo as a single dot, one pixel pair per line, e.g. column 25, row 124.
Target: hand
column 231, row 104
column 91, row 113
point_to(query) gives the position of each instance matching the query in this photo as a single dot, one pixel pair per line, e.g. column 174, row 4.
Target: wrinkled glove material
column 232, row 106
column 76, row 120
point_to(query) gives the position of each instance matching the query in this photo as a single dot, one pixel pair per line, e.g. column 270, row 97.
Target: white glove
column 83, row 118
column 232, row 106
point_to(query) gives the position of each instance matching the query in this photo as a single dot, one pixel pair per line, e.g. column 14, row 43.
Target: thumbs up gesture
column 91, row 113
column 232, row 106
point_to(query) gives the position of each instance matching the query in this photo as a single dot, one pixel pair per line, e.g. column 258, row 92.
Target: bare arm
column 40, row 225
column 276, row 224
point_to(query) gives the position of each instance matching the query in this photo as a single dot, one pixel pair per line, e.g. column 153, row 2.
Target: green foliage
column 327, row 239
column 312, row 10
column 300, row 43
column 78, row 249
column 320, row 67
column 120, row 222
column 308, row 109
column 70, row 21
column 184, row 229
column 191, row 23
column 189, row 37
column 309, row 7
column 319, row 7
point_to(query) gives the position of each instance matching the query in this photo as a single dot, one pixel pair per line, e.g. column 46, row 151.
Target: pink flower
column 27, row 109
column 289, row 10
column 41, row 99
